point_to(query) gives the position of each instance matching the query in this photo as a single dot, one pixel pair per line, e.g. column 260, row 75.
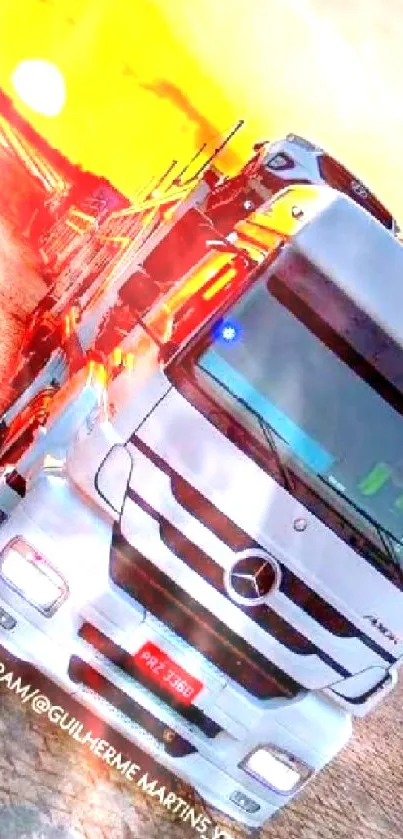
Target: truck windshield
column 329, row 425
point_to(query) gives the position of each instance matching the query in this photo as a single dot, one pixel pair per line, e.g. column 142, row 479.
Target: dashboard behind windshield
column 330, row 422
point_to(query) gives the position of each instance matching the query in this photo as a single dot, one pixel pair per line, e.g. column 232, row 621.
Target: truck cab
column 223, row 533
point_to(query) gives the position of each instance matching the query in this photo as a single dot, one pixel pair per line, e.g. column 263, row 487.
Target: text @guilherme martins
column 56, row 714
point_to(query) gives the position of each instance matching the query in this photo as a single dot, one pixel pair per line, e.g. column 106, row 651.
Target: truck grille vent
column 82, row 673
column 202, row 630
column 125, row 662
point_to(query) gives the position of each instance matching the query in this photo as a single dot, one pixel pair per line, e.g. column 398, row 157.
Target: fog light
column 6, row 621
column 274, row 768
column 27, row 572
column 244, row 802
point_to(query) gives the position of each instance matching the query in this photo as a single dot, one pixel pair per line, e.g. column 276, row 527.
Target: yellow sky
column 147, row 78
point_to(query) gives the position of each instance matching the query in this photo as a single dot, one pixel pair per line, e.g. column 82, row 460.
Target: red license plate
column 161, row 669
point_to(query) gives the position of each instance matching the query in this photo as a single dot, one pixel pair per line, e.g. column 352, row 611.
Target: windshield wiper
column 385, row 536
column 267, row 433
column 270, row 439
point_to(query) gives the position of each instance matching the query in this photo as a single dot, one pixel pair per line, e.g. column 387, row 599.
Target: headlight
column 29, row 574
column 274, row 768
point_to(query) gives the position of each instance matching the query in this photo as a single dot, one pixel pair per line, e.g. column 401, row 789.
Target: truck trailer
column 161, row 234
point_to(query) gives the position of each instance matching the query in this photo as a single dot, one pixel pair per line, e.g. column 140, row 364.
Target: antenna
column 177, row 181
column 163, row 177
column 216, row 151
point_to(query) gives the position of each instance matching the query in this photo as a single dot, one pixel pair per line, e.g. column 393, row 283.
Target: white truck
column 211, row 559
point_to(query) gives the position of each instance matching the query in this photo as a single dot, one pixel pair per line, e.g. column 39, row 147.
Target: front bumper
column 212, row 767
column 310, row 727
column 25, row 650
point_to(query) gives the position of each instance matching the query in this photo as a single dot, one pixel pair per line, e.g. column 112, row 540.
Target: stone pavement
column 51, row 787
column 50, row 783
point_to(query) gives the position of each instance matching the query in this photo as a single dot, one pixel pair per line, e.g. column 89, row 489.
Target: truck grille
column 194, row 622
column 197, row 559
column 125, row 662
column 231, row 534
column 299, row 592
column 82, row 673
column 202, row 630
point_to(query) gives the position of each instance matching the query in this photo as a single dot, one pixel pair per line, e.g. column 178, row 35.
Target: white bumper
column 311, row 728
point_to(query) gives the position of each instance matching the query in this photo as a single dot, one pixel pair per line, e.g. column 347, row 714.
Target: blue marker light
column 227, row 331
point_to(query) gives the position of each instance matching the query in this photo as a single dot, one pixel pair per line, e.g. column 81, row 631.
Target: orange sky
column 146, row 79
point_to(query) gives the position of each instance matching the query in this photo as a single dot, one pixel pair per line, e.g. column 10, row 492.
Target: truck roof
column 360, row 256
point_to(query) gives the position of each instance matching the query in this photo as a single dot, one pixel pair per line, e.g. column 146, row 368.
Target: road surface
column 52, row 788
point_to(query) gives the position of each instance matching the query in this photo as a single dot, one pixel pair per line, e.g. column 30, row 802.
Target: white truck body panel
column 366, row 264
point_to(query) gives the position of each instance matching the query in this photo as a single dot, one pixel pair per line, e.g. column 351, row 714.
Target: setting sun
column 40, row 85
column 152, row 81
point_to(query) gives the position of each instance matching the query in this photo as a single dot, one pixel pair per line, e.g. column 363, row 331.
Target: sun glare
column 40, row 85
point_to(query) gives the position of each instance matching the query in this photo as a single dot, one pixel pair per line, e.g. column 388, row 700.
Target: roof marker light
column 227, row 331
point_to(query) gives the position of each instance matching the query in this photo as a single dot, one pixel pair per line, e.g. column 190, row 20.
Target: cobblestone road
column 52, row 788
column 47, row 778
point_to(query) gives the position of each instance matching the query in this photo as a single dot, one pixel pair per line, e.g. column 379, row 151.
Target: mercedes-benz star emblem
column 253, row 576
